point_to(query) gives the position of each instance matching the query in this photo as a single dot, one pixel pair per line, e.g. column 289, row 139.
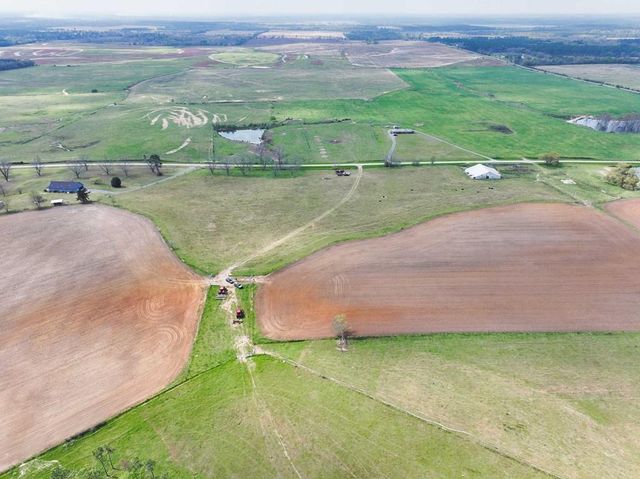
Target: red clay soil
column 627, row 210
column 96, row 315
column 529, row 267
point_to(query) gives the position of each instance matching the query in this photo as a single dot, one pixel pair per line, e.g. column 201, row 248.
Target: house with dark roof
column 64, row 187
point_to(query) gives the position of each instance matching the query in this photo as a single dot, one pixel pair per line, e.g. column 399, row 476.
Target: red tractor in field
column 239, row 316
column 223, row 293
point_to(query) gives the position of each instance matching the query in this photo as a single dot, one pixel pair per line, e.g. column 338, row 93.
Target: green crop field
column 344, row 142
column 438, row 103
column 565, row 402
column 245, row 57
column 423, row 148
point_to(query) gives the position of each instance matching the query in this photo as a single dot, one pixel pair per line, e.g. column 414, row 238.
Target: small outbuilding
column 64, row 187
column 482, row 172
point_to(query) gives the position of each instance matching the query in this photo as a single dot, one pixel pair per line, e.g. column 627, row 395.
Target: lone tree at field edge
column 76, row 167
column 341, row 330
column 37, row 199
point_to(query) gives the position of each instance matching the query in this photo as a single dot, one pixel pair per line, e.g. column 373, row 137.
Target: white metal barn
column 482, row 172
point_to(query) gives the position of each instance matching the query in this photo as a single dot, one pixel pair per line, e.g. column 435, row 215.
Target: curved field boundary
column 528, row 267
column 96, row 315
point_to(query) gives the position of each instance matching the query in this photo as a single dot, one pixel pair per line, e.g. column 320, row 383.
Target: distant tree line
column 10, row 64
column 172, row 34
column 374, row 34
column 534, row 51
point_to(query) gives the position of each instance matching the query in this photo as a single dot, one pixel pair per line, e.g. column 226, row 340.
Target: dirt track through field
column 96, row 315
column 273, row 245
column 530, row 267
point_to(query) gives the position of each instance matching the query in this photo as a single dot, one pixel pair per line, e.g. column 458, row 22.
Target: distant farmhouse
column 64, row 187
column 482, row 172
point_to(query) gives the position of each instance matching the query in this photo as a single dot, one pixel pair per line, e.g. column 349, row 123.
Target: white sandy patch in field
column 219, row 118
column 184, row 145
column 180, row 116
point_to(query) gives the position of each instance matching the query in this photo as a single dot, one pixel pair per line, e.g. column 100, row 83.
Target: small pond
column 247, row 136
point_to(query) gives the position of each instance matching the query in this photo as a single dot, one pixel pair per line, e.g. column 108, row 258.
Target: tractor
column 239, row 316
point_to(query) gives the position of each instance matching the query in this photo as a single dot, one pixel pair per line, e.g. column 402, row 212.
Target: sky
column 238, row 8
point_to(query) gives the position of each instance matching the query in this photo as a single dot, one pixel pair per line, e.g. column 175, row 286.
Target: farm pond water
column 247, row 136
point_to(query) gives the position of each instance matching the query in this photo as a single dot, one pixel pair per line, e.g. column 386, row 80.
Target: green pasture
column 83, row 78
column 565, row 402
column 245, row 58
column 214, row 221
column 344, row 142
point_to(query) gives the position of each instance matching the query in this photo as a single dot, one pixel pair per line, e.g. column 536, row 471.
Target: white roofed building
column 482, row 172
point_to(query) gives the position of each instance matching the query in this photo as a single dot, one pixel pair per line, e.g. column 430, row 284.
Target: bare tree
column 3, row 190
column 37, row 199
column 109, row 451
column 76, row 167
column 294, row 165
column 125, row 166
column 227, row 164
column 37, row 165
column 245, row 165
column 211, row 165
column 263, row 156
column 278, row 160
column 341, row 330
column 106, row 167
column 5, row 169
column 100, row 455
column 84, row 161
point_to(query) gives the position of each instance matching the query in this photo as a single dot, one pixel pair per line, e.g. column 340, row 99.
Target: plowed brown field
column 529, row 267
column 96, row 314
column 627, row 210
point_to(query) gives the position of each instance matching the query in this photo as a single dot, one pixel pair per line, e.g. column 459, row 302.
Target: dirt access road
column 529, row 267
column 96, row 315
